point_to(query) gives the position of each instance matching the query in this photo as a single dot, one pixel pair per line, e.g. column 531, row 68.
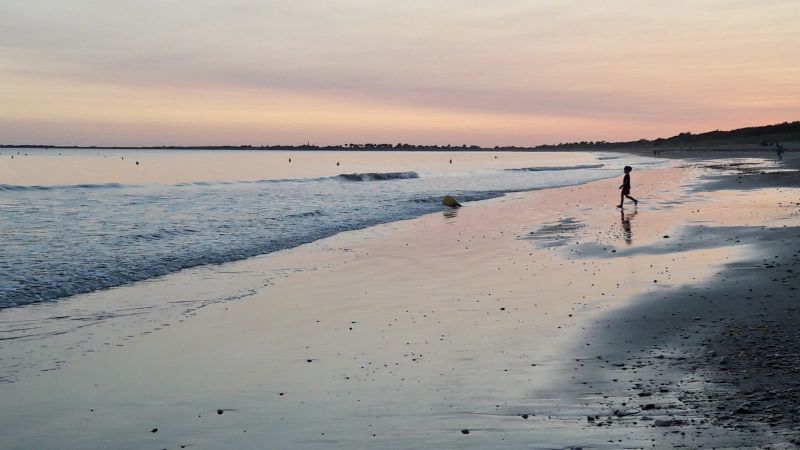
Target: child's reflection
column 626, row 225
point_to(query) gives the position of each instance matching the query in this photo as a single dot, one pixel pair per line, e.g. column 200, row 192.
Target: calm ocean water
column 74, row 221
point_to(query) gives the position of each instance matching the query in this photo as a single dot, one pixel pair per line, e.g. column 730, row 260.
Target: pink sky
column 439, row 72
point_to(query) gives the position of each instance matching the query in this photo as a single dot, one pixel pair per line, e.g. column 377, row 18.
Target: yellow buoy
column 449, row 200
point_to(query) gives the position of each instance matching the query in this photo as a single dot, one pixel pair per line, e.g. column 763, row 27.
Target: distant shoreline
column 765, row 137
column 792, row 145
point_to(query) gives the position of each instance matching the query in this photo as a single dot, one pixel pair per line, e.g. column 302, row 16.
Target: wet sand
column 546, row 319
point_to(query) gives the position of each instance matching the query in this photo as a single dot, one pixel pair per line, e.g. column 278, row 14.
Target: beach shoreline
column 407, row 334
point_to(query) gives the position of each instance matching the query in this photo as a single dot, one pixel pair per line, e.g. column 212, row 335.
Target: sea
column 74, row 221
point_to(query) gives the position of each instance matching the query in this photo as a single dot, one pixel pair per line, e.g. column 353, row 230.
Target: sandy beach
column 546, row 319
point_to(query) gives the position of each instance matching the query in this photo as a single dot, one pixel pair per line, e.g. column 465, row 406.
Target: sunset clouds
column 337, row 71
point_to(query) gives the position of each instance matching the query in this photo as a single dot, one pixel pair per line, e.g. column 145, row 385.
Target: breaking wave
column 556, row 168
column 14, row 187
column 377, row 176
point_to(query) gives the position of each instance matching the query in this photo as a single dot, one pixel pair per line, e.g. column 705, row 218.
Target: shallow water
column 76, row 221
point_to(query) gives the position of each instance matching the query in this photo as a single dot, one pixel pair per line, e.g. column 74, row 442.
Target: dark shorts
column 626, row 190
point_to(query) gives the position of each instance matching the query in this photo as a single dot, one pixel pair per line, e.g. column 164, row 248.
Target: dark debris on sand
column 749, row 356
column 757, row 367
column 754, row 359
column 736, row 340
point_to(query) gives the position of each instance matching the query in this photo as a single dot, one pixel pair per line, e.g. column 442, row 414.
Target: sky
column 510, row 72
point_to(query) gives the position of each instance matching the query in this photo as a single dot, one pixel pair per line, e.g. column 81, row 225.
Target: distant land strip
column 763, row 136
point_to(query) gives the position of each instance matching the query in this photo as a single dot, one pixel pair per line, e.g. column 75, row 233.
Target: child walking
column 626, row 188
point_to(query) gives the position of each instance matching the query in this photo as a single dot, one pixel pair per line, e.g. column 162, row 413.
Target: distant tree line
column 367, row 146
column 763, row 135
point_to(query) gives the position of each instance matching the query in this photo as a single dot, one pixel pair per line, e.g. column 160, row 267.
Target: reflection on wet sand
column 626, row 225
column 450, row 213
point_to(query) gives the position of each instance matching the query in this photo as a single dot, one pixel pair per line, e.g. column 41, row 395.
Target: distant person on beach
column 626, row 188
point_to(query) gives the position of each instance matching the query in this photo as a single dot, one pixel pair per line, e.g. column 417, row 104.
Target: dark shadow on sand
column 734, row 342
column 684, row 239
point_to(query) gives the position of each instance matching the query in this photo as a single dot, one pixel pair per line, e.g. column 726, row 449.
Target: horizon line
column 399, row 145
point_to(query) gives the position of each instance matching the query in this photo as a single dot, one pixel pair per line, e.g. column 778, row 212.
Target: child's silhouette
column 626, row 188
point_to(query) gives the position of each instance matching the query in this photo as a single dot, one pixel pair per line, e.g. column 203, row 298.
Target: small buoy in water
column 290, row 159
column 337, row 163
column 137, row 163
column 451, row 161
column 449, row 200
